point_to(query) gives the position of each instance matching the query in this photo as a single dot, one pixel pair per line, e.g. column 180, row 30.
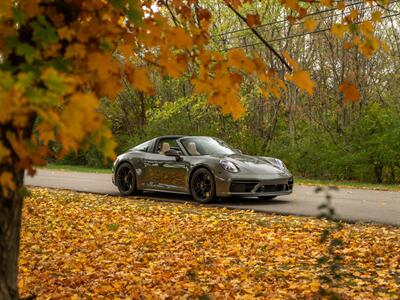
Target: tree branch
column 174, row 19
column 260, row 37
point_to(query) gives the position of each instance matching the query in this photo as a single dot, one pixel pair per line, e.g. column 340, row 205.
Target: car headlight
column 279, row 164
column 228, row 166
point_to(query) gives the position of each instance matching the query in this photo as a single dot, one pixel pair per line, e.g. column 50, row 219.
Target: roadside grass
column 75, row 168
column 348, row 184
column 78, row 246
column 300, row 181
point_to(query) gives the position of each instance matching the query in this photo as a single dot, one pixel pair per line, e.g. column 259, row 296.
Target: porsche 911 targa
column 202, row 166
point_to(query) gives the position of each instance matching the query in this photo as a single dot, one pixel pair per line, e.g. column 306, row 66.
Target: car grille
column 271, row 188
column 242, row 186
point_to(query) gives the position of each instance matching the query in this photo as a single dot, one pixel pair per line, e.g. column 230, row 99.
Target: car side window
column 144, row 147
column 166, row 144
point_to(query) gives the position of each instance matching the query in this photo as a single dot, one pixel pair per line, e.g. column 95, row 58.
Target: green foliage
column 368, row 149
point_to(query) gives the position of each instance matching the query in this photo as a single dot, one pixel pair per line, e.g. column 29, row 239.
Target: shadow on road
column 222, row 201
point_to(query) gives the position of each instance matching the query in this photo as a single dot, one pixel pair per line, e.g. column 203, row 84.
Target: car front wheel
column 126, row 180
column 202, row 186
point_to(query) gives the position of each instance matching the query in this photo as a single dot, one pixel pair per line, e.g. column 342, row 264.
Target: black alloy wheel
column 126, row 180
column 202, row 186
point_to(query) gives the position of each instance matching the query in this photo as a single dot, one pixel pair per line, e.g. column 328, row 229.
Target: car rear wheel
column 266, row 197
column 202, row 186
column 126, row 180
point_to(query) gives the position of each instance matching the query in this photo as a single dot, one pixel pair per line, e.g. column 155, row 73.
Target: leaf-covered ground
column 98, row 247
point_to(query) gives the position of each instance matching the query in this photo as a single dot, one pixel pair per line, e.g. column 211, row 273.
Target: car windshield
column 206, row 146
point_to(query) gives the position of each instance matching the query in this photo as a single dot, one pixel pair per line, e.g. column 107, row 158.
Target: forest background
column 319, row 136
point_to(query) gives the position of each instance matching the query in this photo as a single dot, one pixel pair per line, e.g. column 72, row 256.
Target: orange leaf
column 292, row 62
column 126, row 50
column 237, row 58
column 181, row 39
column 341, row 5
column 302, row 80
column 253, row 20
column 103, row 64
column 75, row 50
column 349, row 91
column 310, row 24
column 140, row 80
column 327, row 2
column 292, row 4
column 66, row 33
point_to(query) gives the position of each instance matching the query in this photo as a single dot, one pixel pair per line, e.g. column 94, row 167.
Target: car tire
column 202, row 186
column 266, row 197
column 125, row 179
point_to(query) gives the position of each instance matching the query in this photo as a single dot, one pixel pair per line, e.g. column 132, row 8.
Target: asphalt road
column 353, row 205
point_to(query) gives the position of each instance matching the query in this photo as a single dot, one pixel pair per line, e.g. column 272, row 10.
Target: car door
column 164, row 172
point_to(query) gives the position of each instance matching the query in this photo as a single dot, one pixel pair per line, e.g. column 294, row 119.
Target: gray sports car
column 202, row 166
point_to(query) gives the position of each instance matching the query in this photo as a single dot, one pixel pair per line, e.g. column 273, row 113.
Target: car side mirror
column 173, row 152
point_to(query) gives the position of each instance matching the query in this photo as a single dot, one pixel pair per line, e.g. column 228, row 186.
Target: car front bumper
column 267, row 186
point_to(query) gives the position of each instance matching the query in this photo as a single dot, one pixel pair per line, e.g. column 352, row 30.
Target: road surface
column 353, row 205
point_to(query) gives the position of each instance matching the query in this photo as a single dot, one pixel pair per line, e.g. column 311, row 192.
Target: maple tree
column 57, row 58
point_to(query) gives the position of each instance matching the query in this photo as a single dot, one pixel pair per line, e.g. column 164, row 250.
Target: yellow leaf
column 6, row 182
column 338, row 30
column 236, row 58
column 352, row 15
column 385, row 47
column 66, row 33
column 366, row 28
column 6, row 8
column 310, row 24
column 376, row 16
column 349, row 91
column 302, row 80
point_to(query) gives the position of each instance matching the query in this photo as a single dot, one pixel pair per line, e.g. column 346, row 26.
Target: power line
column 298, row 35
column 299, row 23
column 284, row 20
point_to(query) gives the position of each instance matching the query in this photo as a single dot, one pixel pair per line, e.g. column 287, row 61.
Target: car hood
column 252, row 164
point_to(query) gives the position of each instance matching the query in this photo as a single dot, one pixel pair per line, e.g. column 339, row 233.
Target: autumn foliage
column 80, row 246
column 59, row 57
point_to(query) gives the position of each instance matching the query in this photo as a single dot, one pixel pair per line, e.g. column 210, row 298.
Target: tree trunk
column 10, row 225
